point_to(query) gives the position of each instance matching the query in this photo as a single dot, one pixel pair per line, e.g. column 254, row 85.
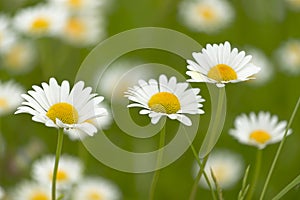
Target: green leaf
column 292, row 184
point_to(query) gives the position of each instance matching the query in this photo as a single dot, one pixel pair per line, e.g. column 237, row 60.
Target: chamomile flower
column 165, row 98
column 10, row 96
column 83, row 30
column 259, row 130
column 227, row 168
column 219, row 64
column 19, row 57
column 69, row 171
column 78, row 5
column 31, row 191
column 41, row 20
column 57, row 106
column 288, row 55
column 206, row 15
column 293, row 4
column 7, row 36
column 96, row 189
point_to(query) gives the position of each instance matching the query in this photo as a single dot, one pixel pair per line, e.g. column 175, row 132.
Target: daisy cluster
column 79, row 23
column 71, row 181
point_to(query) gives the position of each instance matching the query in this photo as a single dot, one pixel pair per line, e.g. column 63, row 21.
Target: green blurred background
column 262, row 24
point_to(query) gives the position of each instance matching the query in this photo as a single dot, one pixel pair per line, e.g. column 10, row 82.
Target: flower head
column 166, row 98
column 219, row 64
column 96, row 189
column 10, row 96
column 57, row 106
column 31, row 191
column 69, row 171
column 227, row 168
column 288, row 55
column 206, row 15
column 259, row 130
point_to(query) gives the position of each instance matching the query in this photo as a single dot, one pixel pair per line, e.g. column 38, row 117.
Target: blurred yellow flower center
column 75, row 3
column 3, row 103
column 75, row 27
column 164, row 102
column 40, row 24
column 15, row 57
column 206, row 12
column 60, row 176
column 39, row 196
column 222, row 72
column 294, row 50
column 64, row 112
column 260, row 136
column 94, row 195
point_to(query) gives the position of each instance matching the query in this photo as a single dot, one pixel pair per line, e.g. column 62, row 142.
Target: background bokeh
column 261, row 24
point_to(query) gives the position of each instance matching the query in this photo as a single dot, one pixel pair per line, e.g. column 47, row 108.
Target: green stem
column 279, row 150
column 60, row 138
column 159, row 159
column 197, row 179
column 256, row 174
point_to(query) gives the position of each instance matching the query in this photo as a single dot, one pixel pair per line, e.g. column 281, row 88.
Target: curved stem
column 256, row 173
column 60, row 138
column 279, row 150
column 159, row 159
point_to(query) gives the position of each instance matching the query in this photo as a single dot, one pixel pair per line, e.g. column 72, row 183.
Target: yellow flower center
column 220, row 172
column 15, row 57
column 75, row 28
column 39, row 196
column 3, row 103
column 60, row 176
column 75, row 3
column 164, row 102
column 206, row 12
column 294, row 50
column 222, row 72
column 94, row 195
column 40, row 24
column 260, row 136
column 64, row 112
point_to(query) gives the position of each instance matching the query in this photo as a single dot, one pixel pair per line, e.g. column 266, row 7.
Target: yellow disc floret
column 164, row 102
column 39, row 196
column 206, row 12
column 260, row 136
column 222, row 72
column 75, row 3
column 60, row 176
column 3, row 103
column 75, row 28
column 64, row 112
column 40, row 25
column 94, row 195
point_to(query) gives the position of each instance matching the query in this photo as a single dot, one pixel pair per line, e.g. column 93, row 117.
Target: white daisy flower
column 69, row 171
column 261, row 60
column 227, row 168
column 1, row 193
column 7, row 36
column 96, row 189
column 10, row 97
column 206, row 15
column 83, row 30
column 41, row 20
column 293, row 4
column 258, row 130
column 288, row 55
column 166, row 98
column 79, row 5
column 219, row 64
column 19, row 57
column 57, row 106
column 31, row 191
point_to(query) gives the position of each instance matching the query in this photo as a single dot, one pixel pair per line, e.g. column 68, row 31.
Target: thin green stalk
column 279, row 150
column 256, row 174
column 159, row 159
column 59, row 145
column 204, row 173
column 197, row 179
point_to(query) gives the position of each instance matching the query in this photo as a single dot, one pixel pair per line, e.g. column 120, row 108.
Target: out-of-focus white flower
column 293, row 4
column 69, row 171
column 7, row 36
column 83, row 30
column 10, row 96
column 258, row 130
column 206, row 15
column 288, row 55
column 261, row 60
column 227, row 168
column 1, row 193
column 41, row 20
column 96, row 189
column 219, row 64
column 19, row 57
column 31, row 191
column 79, row 5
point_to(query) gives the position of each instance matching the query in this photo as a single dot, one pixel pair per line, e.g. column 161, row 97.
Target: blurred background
column 269, row 30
